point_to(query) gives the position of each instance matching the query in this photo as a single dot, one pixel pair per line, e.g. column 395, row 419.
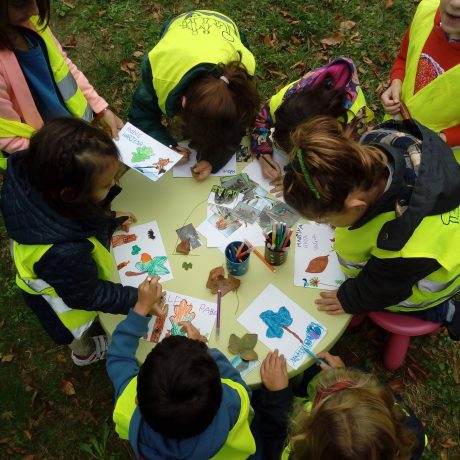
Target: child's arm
column 122, row 365
column 144, row 112
column 72, row 272
column 381, row 283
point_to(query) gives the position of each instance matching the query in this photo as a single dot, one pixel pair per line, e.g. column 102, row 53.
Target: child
column 56, row 206
column 348, row 415
column 394, row 198
column 426, row 72
column 185, row 401
column 38, row 82
column 202, row 70
column 332, row 89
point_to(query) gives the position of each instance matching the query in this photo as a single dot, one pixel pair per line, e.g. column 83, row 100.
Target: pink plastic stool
column 402, row 328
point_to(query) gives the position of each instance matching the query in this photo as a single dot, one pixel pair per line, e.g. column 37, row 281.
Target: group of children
column 393, row 194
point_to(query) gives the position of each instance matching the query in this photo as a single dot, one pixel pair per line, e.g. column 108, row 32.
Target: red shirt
column 438, row 55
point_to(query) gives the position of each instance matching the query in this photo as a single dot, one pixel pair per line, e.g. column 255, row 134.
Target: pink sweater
column 16, row 101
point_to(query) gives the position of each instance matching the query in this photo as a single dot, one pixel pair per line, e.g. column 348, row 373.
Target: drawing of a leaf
column 142, row 153
column 318, row 264
column 276, row 321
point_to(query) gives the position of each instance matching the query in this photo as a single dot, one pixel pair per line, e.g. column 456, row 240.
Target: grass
column 50, row 409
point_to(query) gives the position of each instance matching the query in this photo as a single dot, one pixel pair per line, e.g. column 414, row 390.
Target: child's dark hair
column 44, row 11
column 218, row 110
column 178, row 388
column 64, row 160
column 326, row 166
column 353, row 417
column 304, row 105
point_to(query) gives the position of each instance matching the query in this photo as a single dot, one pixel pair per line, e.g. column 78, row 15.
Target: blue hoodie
column 122, row 367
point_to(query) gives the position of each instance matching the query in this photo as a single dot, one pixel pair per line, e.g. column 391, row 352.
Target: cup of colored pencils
column 237, row 256
column 277, row 244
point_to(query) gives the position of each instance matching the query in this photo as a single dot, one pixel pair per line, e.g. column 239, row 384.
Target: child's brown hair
column 219, row 106
column 353, row 417
column 43, row 6
column 326, row 166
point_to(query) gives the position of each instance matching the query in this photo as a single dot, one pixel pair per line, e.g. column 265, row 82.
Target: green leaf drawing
column 135, row 250
column 142, row 153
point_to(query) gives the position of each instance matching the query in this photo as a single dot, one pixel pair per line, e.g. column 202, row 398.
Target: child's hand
column 131, row 219
column 112, row 123
column 333, row 361
column 191, row 331
column 277, row 184
column 391, row 97
column 329, row 303
column 274, row 372
column 184, row 151
column 267, row 170
column 149, row 297
column 201, row 170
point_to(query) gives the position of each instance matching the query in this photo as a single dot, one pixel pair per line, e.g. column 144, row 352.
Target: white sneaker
column 100, row 351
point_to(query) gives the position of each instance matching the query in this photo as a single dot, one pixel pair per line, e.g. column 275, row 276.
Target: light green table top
column 175, row 202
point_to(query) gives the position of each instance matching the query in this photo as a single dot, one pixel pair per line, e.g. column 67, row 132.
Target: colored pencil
column 319, row 360
column 268, row 161
column 239, row 250
column 219, row 296
column 260, row 256
column 286, row 240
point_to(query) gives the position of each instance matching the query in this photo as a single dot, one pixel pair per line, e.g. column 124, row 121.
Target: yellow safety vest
column 27, row 255
column 240, row 443
column 432, row 106
column 357, row 106
column 71, row 94
column 191, row 39
column 436, row 237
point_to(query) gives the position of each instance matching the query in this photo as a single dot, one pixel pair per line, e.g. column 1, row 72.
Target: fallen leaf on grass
column 28, row 435
column 334, row 40
column 388, row 4
column 449, row 443
column 347, row 25
column 138, row 54
column 67, row 388
column 7, row 358
column 71, row 42
column 269, row 40
column 101, row 13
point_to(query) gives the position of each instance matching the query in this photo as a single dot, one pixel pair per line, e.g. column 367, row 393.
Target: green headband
column 306, row 175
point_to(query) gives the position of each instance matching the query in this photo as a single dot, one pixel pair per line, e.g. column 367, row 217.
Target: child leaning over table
column 185, row 401
column 347, row 415
column 55, row 201
column 394, row 199
column 426, row 73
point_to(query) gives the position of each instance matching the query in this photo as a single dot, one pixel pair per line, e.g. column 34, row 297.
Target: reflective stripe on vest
column 73, row 97
column 437, row 237
column 432, row 106
column 239, row 444
column 191, row 39
column 358, row 104
column 26, row 256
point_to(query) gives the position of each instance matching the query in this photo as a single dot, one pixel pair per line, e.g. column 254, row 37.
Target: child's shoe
column 100, row 351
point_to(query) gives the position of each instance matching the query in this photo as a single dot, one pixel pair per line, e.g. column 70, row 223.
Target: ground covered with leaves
column 49, row 408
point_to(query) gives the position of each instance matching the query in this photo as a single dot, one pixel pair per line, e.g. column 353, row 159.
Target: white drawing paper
column 316, row 264
column 145, row 154
column 180, row 307
column 184, row 170
column 280, row 323
column 140, row 252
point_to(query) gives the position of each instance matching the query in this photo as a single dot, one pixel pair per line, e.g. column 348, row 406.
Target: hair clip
column 343, row 385
column 306, row 175
column 225, row 79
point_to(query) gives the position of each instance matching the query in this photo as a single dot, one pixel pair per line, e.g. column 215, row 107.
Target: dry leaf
column 269, row 40
column 8, row 358
column 234, row 344
column 449, row 443
column 334, row 40
column 71, row 42
column 183, row 247
column 347, row 25
column 137, row 54
column 67, row 388
column 69, row 4
column 295, row 40
column 388, row 4
column 368, row 60
column 248, row 355
column 217, row 280
column 101, row 13
column 28, row 435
